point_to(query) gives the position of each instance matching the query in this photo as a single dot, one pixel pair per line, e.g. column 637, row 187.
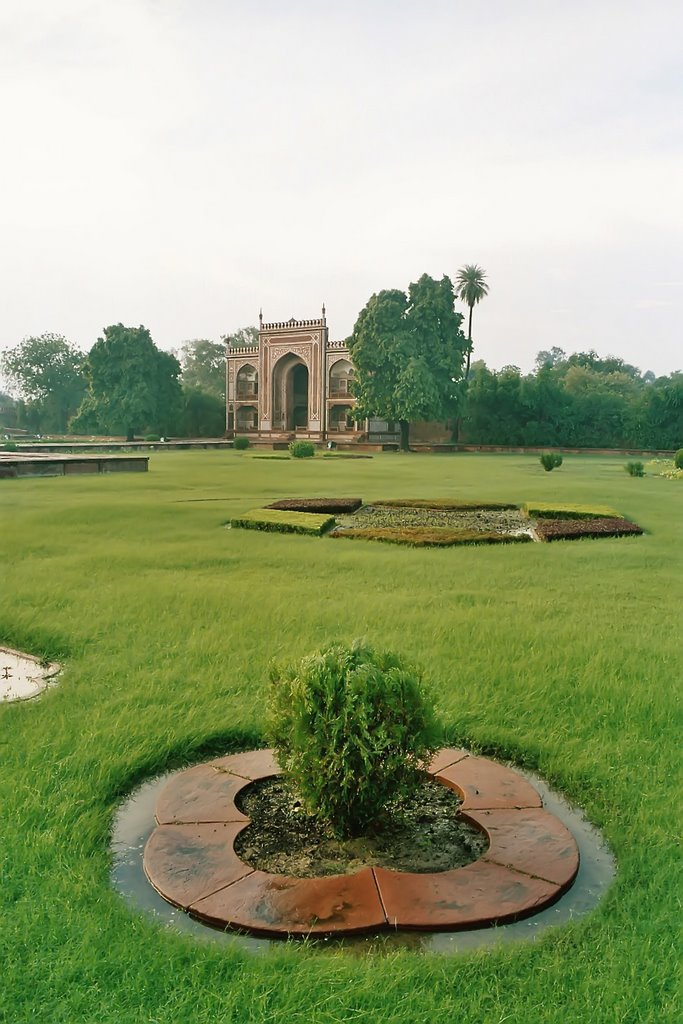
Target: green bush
column 241, row 443
column 352, row 729
column 283, row 522
column 302, row 449
column 678, row 459
column 152, row 437
column 550, row 461
column 8, row 446
column 635, row 468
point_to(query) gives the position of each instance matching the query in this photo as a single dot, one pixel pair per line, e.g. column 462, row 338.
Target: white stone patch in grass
column 22, row 676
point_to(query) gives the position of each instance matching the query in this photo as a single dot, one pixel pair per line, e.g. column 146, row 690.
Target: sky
column 184, row 163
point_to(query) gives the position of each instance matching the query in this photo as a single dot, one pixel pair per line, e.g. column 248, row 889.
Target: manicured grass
column 283, row 521
column 564, row 657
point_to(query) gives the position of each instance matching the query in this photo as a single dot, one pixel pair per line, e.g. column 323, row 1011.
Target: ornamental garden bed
column 438, row 522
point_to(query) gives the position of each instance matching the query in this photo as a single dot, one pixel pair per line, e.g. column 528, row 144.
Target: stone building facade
column 294, row 383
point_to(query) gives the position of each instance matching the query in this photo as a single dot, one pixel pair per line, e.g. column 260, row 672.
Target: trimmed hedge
column 435, row 536
column 302, row 449
column 322, row 505
column 240, row 444
column 548, row 510
column 575, row 529
column 283, row 522
column 445, row 504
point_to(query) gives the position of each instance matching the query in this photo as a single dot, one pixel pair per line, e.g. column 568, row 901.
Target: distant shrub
column 352, row 729
column 678, row 459
column 302, row 449
column 280, row 521
column 152, row 437
column 550, row 461
column 8, row 446
column 241, row 443
column 635, row 468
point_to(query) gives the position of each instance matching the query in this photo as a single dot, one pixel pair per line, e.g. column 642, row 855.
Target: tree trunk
column 469, row 346
column 405, row 435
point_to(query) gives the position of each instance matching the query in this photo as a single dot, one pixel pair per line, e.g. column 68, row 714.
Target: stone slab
column 483, row 784
column 279, row 905
column 253, row 764
column 200, row 794
column 444, row 758
column 186, row 862
column 474, row 896
column 533, row 841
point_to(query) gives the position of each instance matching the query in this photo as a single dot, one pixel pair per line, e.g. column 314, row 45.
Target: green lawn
column 565, row 657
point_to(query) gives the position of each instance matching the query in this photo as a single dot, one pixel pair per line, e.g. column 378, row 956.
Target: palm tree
column 471, row 287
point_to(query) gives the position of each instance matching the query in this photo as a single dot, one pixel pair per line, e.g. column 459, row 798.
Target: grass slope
column 565, row 657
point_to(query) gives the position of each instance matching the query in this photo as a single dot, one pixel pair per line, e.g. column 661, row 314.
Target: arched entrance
column 290, row 393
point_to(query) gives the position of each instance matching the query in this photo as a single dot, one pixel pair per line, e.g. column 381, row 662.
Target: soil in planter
column 423, row 833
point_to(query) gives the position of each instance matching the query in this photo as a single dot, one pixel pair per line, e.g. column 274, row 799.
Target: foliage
column 329, row 505
column 152, row 437
column 678, row 459
column 548, row 510
column 352, row 727
column 202, row 365
column 471, row 288
column 8, row 446
column 203, row 414
column 244, row 337
column 280, row 521
column 132, row 385
column 302, row 449
column 408, row 352
column 48, row 373
column 575, row 529
column 635, row 468
column 240, row 444
column 550, row 461
column 580, row 401
column 430, row 536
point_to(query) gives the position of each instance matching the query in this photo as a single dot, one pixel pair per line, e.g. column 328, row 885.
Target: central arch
column 290, row 393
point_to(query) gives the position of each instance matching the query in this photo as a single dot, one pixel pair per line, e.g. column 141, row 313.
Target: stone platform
column 190, row 859
column 13, row 464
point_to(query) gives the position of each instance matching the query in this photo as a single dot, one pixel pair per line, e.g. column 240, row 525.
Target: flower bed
column 443, row 503
column 321, row 505
column 547, row 510
column 283, row 521
column 425, row 536
column 477, row 518
column 575, row 529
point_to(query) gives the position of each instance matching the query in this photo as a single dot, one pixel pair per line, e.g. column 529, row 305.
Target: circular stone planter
column 190, row 859
column 22, row 676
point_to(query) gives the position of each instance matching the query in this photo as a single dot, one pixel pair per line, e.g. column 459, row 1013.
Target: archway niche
column 247, row 382
column 341, row 374
column 290, row 393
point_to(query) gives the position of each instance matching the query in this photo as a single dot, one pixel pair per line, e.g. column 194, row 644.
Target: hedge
column 548, row 510
column 435, row 536
column 283, row 522
column 322, row 505
column 444, row 503
column 575, row 529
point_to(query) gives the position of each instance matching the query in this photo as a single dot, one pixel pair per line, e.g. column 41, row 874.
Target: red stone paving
column 533, row 841
column 191, row 861
column 186, row 862
column 276, row 904
column 483, row 783
column 471, row 897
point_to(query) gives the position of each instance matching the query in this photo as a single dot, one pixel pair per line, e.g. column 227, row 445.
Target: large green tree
column 471, row 288
column 408, row 352
column 203, row 367
column 132, row 385
column 47, row 372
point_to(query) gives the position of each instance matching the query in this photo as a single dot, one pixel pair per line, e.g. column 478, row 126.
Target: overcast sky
column 182, row 163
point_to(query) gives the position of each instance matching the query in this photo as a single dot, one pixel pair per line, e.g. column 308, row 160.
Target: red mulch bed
column 424, row 536
column 321, row 505
column 575, row 529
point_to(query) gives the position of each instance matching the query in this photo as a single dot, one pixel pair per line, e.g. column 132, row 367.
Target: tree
column 471, row 288
column 48, row 373
column 132, row 385
column 408, row 352
column 203, row 367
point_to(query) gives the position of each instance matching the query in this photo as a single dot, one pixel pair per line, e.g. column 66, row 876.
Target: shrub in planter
column 678, row 459
column 635, row 468
column 302, row 449
column 352, row 729
column 241, row 443
column 152, row 437
column 550, row 461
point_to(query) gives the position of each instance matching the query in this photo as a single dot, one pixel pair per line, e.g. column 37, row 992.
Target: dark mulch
column 575, row 529
column 423, row 833
column 323, row 505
